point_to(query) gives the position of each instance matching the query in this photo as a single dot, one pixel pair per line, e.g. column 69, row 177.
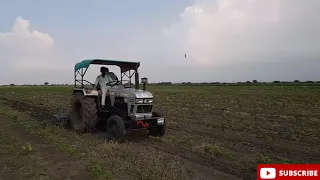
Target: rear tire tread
column 89, row 113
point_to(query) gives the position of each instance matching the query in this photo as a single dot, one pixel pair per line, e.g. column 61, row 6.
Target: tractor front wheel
column 115, row 128
column 84, row 113
column 160, row 129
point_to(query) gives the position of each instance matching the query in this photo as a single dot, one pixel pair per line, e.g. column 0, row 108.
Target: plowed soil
column 45, row 161
column 213, row 132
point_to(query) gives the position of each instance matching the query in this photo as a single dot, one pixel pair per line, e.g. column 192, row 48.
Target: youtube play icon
column 267, row 173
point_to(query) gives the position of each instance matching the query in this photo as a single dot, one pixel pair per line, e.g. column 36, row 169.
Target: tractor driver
column 103, row 81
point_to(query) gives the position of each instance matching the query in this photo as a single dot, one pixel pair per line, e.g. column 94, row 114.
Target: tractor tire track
column 199, row 167
column 197, row 163
column 252, row 143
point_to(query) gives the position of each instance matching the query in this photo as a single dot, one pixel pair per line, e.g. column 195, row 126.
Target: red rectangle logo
column 288, row 171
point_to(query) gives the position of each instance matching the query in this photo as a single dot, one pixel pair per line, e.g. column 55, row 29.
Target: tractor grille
column 144, row 108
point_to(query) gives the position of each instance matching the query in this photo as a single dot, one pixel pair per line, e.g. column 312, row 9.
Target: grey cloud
column 225, row 40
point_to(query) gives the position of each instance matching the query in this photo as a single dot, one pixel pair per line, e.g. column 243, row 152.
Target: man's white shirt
column 103, row 81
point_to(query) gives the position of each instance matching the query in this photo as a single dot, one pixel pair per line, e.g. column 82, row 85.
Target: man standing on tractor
column 104, row 81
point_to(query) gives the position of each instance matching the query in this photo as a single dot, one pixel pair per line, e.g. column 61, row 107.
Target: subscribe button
column 288, row 171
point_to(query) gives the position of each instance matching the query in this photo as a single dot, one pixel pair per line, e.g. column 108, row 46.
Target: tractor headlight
column 139, row 101
column 144, row 101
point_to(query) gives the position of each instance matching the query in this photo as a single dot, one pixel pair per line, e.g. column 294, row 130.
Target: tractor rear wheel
column 84, row 113
column 160, row 129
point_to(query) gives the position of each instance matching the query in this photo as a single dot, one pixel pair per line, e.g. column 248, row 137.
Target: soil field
column 214, row 132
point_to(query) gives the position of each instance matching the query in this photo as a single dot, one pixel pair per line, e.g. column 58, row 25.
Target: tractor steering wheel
column 112, row 84
column 117, row 82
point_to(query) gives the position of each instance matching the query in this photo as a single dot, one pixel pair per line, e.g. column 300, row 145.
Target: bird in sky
column 185, row 55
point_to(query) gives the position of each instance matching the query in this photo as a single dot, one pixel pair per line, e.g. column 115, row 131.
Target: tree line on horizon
column 254, row 82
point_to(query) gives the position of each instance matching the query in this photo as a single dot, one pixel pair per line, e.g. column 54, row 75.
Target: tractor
column 133, row 106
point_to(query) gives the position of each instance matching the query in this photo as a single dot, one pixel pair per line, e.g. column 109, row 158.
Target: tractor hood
column 130, row 92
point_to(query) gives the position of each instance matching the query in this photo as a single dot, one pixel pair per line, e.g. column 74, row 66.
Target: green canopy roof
column 124, row 65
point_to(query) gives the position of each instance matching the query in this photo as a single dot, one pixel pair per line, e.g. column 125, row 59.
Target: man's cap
column 103, row 68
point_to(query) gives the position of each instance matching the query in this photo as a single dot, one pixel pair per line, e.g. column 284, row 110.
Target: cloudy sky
column 224, row 40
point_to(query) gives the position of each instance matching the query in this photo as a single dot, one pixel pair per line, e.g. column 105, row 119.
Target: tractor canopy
column 124, row 65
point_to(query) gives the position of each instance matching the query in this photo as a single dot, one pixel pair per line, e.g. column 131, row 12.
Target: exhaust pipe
column 144, row 81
